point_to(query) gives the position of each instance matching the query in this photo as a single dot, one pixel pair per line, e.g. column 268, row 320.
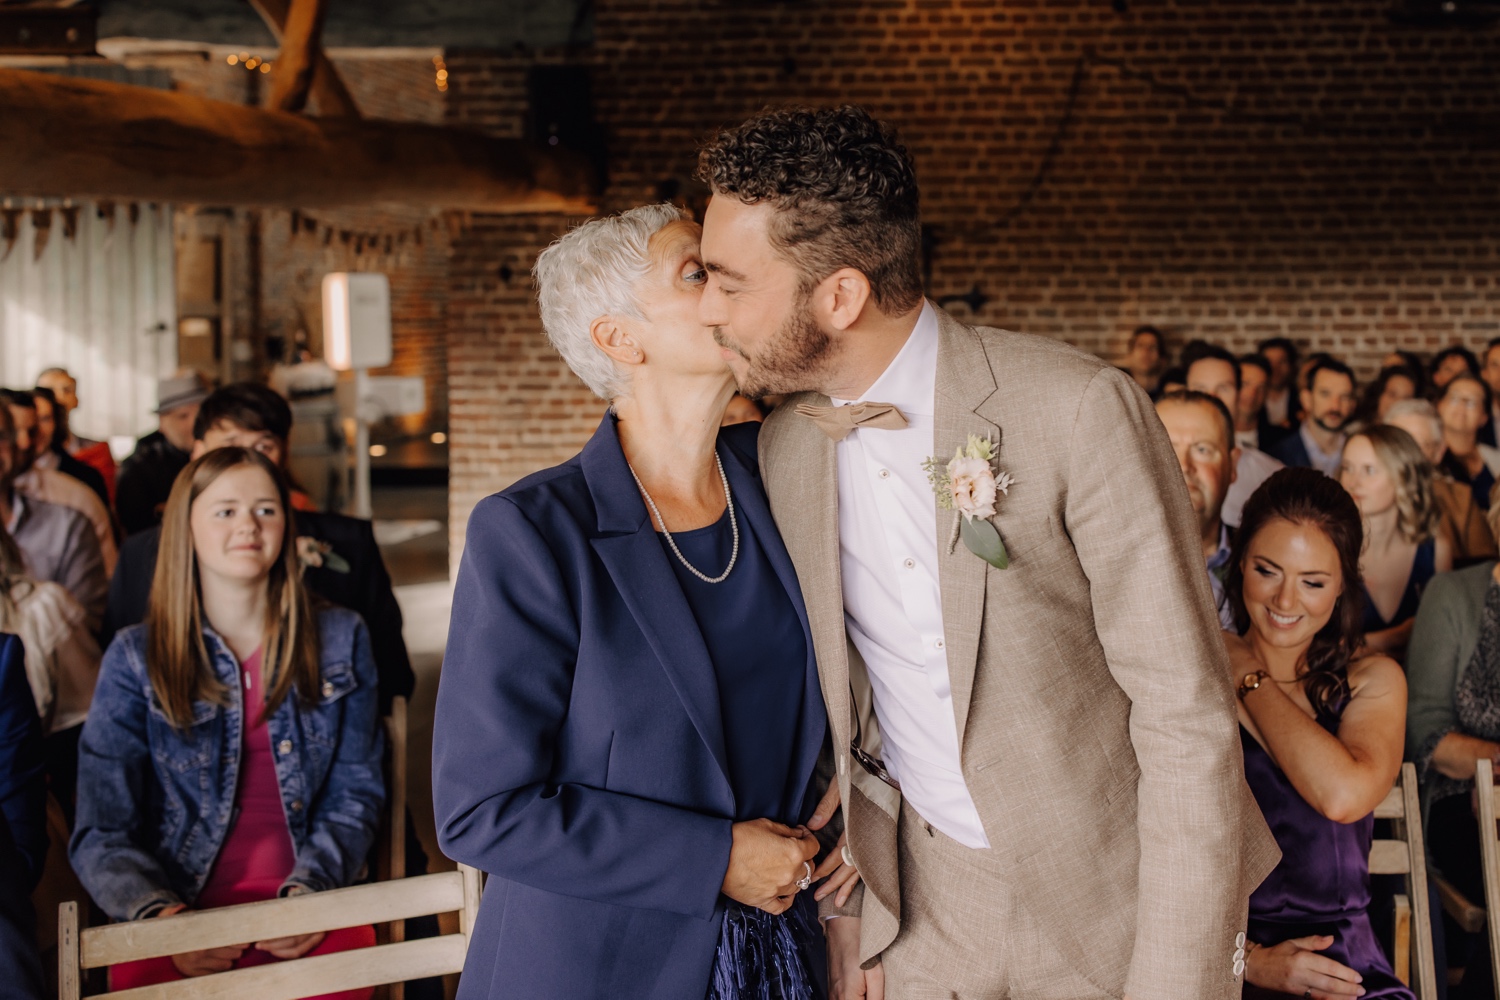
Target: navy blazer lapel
column 638, row 565
column 750, row 502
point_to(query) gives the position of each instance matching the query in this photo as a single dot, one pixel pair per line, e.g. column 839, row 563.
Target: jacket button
column 327, row 688
column 297, row 806
column 284, row 747
column 1239, row 940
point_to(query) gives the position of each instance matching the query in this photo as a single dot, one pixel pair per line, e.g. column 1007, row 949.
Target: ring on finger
column 806, row 880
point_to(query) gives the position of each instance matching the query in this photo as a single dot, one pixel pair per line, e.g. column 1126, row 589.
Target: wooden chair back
column 1406, row 854
column 379, row 902
column 1489, row 851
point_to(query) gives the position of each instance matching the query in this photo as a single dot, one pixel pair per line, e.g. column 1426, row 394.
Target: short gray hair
column 1417, row 408
column 591, row 272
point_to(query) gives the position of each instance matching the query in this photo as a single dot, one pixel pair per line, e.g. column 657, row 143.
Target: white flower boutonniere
column 312, row 553
column 968, row 485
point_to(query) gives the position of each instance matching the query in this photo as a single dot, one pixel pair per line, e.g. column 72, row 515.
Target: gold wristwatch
column 1251, row 682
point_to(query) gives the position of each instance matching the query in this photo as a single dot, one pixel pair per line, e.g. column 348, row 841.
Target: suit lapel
column 965, row 383
column 636, row 562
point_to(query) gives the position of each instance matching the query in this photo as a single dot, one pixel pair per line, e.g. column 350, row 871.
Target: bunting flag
column 41, row 222
column 10, row 230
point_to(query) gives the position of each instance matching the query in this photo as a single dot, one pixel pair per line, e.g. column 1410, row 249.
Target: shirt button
column 939, row 644
column 327, row 688
column 284, row 747
column 297, row 805
column 910, row 563
column 885, row 473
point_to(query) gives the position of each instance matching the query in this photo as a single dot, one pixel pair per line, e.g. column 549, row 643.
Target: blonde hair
column 1416, row 507
column 177, row 658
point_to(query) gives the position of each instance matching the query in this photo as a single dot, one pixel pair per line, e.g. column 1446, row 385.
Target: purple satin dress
column 1322, row 884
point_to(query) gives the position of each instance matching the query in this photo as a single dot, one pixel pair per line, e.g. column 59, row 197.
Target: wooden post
column 292, row 74
column 334, row 99
column 80, row 138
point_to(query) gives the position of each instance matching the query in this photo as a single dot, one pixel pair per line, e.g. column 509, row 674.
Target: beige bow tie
column 838, row 421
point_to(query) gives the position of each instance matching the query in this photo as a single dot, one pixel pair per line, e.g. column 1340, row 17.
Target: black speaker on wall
column 562, row 113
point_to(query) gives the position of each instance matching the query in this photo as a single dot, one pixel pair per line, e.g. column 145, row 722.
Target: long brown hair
column 177, row 658
column 1417, row 511
column 1306, row 496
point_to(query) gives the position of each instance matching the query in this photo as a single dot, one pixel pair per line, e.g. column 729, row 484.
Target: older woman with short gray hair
column 629, row 714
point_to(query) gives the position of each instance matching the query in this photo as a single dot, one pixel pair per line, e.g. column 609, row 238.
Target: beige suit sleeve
column 1128, row 515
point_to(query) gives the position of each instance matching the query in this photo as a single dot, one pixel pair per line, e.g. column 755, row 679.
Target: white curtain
column 100, row 304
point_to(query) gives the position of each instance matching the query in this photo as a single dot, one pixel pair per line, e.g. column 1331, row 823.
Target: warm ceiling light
column 233, row 59
column 438, row 437
column 377, row 450
column 252, row 62
column 265, row 67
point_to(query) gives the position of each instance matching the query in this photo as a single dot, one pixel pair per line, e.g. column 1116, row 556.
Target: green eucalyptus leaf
column 335, row 562
column 981, row 538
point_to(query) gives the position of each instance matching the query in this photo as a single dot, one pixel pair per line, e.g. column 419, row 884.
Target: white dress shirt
column 892, row 597
column 1254, row 468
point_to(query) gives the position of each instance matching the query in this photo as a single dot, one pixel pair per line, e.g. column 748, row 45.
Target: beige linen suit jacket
column 1091, row 690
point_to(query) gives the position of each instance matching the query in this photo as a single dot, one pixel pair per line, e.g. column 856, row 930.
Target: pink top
column 257, row 855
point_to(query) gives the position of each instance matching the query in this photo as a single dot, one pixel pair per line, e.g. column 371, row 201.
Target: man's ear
column 611, row 337
column 839, row 299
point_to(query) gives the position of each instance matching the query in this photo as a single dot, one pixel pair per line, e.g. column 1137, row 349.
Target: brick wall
column 1228, row 169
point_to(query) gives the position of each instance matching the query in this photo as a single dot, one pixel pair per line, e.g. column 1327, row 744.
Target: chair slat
column 1390, row 857
column 344, row 970
column 1392, row 806
column 442, row 892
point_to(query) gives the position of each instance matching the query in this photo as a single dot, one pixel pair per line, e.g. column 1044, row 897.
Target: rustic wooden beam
column 328, row 89
column 292, row 73
column 74, row 137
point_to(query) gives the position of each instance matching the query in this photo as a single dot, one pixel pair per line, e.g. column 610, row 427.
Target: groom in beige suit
column 1041, row 775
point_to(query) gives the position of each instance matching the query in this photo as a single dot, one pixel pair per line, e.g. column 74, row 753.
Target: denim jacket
column 155, row 803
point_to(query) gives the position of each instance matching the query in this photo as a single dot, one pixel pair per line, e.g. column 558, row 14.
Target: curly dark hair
column 844, row 190
column 1306, row 496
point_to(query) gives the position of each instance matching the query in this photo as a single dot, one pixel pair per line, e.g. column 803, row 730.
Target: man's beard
column 791, row 361
column 1330, row 428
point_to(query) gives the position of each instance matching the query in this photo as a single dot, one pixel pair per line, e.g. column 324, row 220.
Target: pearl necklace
column 672, row 544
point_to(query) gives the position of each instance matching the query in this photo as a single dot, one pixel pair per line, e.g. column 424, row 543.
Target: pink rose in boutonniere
column 313, row 553
column 968, row 485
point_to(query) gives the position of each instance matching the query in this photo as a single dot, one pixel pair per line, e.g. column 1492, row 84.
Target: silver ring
column 805, row 882
column 848, row 858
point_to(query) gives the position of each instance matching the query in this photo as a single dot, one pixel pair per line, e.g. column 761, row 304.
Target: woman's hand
column 1295, row 967
column 765, row 861
column 206, row 962
column 842, row 877
column 291, row 947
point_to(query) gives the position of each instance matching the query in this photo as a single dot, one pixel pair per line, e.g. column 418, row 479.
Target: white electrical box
column 356, row 320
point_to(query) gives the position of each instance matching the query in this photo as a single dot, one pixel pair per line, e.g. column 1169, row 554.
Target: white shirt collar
column 909, row 382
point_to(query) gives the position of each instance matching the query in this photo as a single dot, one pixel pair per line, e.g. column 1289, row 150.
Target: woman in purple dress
column 1322, row 733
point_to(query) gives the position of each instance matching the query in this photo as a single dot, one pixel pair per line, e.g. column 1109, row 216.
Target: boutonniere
column 968, row 485
column 312, row 553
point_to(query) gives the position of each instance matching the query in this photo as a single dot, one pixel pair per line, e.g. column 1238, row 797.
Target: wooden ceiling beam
column 292, row 72
column 327, row 87
column 80, row 138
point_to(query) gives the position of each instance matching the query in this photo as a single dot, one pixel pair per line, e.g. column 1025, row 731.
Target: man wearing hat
column 146, row 477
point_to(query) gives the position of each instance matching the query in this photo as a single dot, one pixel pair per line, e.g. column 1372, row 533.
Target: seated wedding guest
column 95, row 454
column 1200, row 430
column 1145, row 357
column 1391, row 482
column 234, row 751
column 1215, row 371
column 50, row 451
column 1463, row 406
column 1252, row 429
column 1490, row 372
column 1321, row 728
column 62, row 663
column 146, row 477
column 50, row 485
column 629, row 657
column 1281, row 391
column 1411, row 361
column 1449, row 363
column 1454, row 721
column 340, row 558
column 1390, row 387
column 1327, row 400
column 1460, row 520
column 1172, row 380
column 23, row 825
column 58, row 543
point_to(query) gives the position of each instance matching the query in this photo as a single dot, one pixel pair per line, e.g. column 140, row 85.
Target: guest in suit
column 1391, row 481
column 1198, row 426
column 1390, row 387
column 1322, row 729
column 1449, row 363
column 1460, row 519
column 234, row 753
column 23, row 824
column 1038, row 763
column 1328, row 401
column 629, row 662
column 1215, row 371
column 1252, row 428
column 1281, row 393
column 341, row 560
column 1463, row 405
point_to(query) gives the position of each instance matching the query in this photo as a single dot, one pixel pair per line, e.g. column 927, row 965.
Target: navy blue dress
column 759, row 654
column 1423, row 567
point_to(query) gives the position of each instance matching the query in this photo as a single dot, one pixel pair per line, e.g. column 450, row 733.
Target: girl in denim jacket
column 232, row 754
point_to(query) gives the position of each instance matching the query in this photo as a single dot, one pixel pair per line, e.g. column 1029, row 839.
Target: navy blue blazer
column 578, row 751
column 1291, row 451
